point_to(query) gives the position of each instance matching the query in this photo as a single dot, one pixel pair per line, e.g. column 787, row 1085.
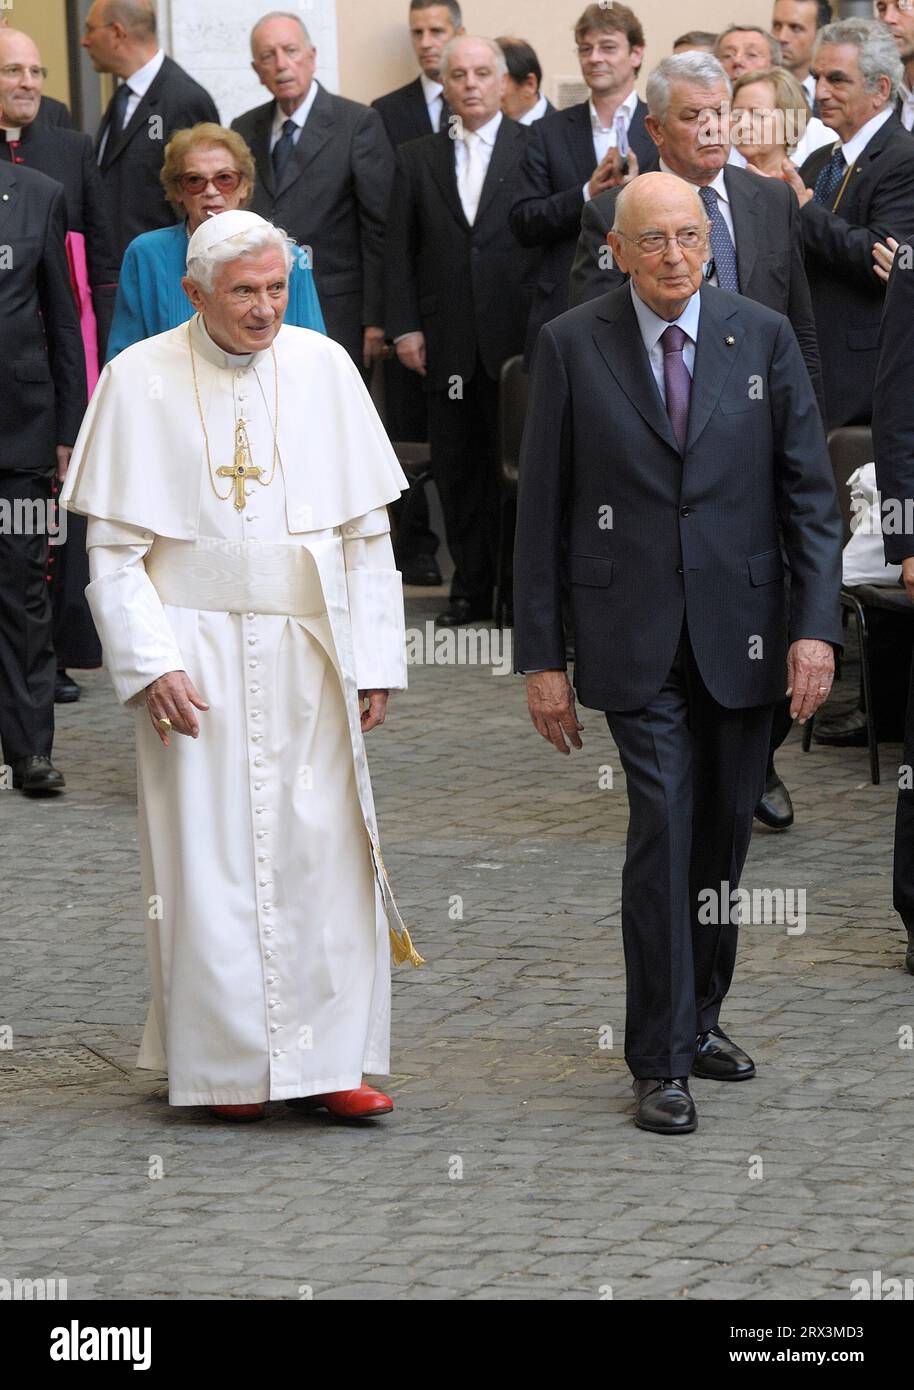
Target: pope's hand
column 377, row 708
column 810, row 672
column 173, row 696
column 411, row 352
column 550, row 700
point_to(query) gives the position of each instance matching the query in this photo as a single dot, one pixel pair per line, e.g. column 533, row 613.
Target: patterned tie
column 830, row 179
column 283, row 148
column 677, row 381
column 722, row 248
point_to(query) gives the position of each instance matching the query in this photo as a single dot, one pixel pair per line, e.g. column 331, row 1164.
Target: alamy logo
column 784, row 907
column 75, row 1343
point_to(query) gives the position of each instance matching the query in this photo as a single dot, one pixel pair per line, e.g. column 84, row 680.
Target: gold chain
column 224, row 496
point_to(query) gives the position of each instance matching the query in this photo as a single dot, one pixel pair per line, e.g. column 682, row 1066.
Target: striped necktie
column 830, row 179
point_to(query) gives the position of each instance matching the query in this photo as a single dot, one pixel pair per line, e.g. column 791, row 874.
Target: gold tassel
column 403, row 949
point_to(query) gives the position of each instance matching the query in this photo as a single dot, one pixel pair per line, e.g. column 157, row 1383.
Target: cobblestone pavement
column 510, row 1168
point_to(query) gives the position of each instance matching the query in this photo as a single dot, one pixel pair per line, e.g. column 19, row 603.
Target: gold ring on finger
column 164, row 724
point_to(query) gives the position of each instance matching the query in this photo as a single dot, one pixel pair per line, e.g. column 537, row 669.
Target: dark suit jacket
column 847, row 295
column 333, row 198
column 693, row 534
column 405, row 114
column 466, row 288
column 769, row 254
column 893, row 418
column 54, row 112
column 559, row 161
column 68, row 156
column 133, row 156
column 44, row 369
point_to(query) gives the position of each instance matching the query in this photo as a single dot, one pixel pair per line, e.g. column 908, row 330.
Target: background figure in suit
column 41, row 407
column 324, row 169
column 658, row 481
column 67, row 156
column 574, row 154
column 740, row 50
column 457, row 300
column 857, row 195
column 794, row 23
column 409, row 113
column 901, row 24
column 523, row 100
column 893, row 449
column 155, row 98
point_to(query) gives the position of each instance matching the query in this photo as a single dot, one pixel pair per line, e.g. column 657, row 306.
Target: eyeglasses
column 880, row 8
column 601, row 50
column 16, row 71
column 652, row 243
column 226, row 181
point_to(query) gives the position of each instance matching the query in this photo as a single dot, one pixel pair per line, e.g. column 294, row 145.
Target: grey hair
column 774, row 47
column 282, row 14
column 622, row 198
column 204, row 269
column 501, row 64
column 703, row 69
column 877, row 50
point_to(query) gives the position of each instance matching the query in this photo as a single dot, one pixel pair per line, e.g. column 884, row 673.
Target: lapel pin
column 730, row 341
column 6, row 197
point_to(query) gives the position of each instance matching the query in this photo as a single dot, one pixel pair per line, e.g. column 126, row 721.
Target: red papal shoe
column 361, row 1104
column 239, row 1113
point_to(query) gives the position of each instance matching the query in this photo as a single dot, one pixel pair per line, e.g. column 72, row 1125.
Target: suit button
column 679, row 569
column 685, row 511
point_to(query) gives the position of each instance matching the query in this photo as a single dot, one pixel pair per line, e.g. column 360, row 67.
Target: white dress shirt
column 139, row 83
column 604, row 136
column 653, row 328
column 299, row 115
column 487, row 134
column 535, row 113
column 809, row 87
column 858, row 143
column 434, row 99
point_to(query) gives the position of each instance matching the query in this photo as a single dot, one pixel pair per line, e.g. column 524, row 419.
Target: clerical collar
column 11, row 134
column 216, row 355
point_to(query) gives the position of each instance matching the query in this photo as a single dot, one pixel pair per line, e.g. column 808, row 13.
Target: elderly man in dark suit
column 851, row 197
column 672, row 439
column 155, row 98
column 893, row 450
column 324, row 170
column 458, row 292
column 41, row 406
column 577, row 153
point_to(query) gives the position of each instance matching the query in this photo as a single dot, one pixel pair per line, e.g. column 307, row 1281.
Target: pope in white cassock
column 236, row 480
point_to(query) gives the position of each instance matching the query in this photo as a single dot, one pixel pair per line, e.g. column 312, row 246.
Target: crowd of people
column 438, row 234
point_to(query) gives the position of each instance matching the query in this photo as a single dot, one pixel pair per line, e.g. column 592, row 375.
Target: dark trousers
column 27, row 662
column 695, row 771
column 406, row 421
column 903, row 872
column 76, row 642
column 463, row 438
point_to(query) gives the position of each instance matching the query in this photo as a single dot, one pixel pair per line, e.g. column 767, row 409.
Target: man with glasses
column 155, row 98
column 899, row 16
column 324, row 172
column 672, row 437
column 573, row 155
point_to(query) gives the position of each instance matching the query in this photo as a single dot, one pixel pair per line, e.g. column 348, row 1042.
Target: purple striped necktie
column 678, row 382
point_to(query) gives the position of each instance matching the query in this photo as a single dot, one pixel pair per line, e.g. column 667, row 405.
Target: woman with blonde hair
column 207, row 170
column 771, row 121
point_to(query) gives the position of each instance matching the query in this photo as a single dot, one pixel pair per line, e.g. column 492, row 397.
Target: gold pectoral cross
column 240, row 471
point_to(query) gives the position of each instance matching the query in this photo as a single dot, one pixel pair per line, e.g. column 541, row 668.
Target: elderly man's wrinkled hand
column 550, row 700
column 810, row 673
column 173, row 697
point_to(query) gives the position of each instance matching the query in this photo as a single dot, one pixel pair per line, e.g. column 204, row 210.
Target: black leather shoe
column 461, row 610
column 421, row 570
column 664, row 1106
column 847, row 731
column 775, row 809
column 37, row 776
column 717, row 1058
column 66, row 691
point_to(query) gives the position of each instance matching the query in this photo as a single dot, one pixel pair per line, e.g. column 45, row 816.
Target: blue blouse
column 150, row 299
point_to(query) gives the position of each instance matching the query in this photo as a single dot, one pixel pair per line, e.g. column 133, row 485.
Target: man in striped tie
column 852, row 196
